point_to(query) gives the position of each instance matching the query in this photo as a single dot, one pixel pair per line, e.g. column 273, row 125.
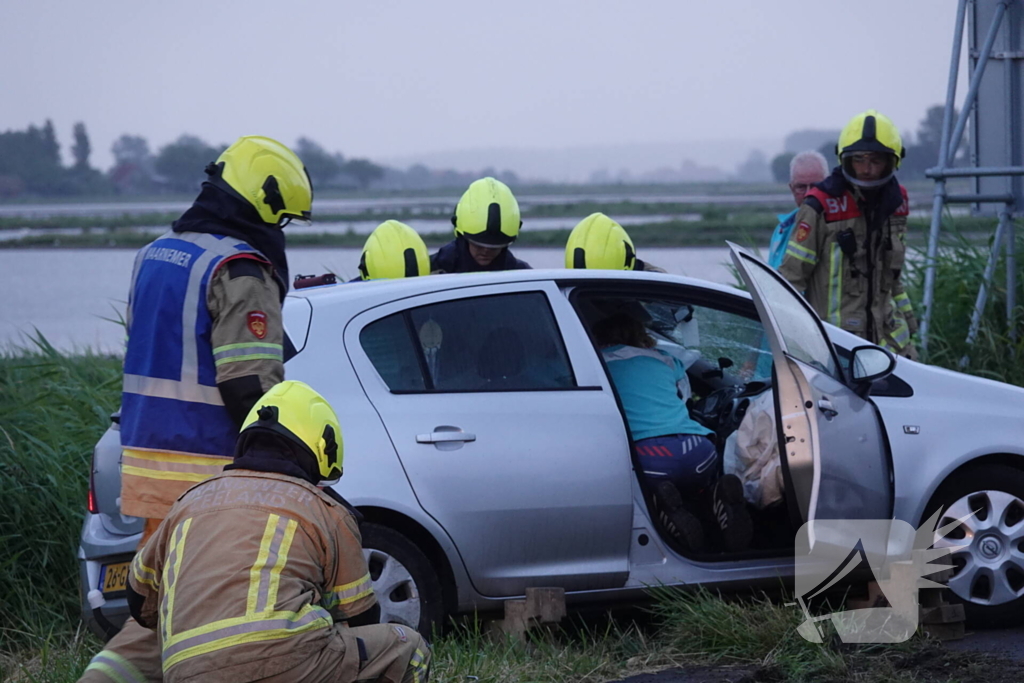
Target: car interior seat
column 501, row 359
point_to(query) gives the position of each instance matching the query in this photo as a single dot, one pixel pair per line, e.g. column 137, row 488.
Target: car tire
column 407, row 586
column 991, row 567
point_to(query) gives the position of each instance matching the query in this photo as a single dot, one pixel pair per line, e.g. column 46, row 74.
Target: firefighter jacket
column 203, row 310
column 847, row 253
column 247, row 576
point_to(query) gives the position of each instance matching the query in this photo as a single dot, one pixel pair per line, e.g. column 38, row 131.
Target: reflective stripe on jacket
column 175, row 430
column 247, row 574
column 847, row 255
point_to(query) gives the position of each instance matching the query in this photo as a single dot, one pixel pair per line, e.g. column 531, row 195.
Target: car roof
column 353, row 293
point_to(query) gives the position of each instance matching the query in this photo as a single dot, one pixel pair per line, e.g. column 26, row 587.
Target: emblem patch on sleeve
column 258, row 323
column 802, row 231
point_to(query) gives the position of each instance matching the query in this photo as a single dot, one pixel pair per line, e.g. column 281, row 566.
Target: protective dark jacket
column 454, row 257
column 847, row 252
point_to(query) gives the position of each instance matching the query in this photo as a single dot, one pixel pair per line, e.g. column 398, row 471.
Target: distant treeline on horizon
column 30, row 165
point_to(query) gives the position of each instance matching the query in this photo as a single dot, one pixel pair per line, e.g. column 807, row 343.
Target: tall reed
column 53, row 408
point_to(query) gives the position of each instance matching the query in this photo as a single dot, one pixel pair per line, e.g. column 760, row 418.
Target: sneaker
column 682, row 525
column 729, row 514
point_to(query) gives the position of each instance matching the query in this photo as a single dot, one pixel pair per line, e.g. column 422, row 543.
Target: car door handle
column 825, row 406
column 444, row 437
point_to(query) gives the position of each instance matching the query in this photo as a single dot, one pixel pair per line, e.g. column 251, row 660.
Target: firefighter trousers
column 388, row 653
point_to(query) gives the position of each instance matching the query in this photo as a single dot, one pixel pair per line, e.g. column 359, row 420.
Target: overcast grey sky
column 389, row 78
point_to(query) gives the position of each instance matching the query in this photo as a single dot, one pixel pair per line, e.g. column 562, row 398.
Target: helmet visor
column 868, row 169
column 304, row 221
column 479, row 243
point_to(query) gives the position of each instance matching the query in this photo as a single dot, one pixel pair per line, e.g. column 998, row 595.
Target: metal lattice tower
column 994, row 103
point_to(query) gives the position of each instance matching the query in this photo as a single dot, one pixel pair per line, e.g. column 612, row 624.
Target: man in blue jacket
column 805, row 170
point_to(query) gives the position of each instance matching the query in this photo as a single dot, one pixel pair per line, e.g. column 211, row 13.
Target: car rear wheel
column 407, row 587
column 988, row 574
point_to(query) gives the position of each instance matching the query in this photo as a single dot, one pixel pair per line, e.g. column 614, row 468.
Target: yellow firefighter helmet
column 297, row 412
column 268, row 175
column 488, row 214
column 870, row 131
column 393, row 250
column 599, row 242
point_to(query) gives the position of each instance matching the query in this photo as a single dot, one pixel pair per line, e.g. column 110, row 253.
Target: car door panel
column 832, row 441
column 540, row 495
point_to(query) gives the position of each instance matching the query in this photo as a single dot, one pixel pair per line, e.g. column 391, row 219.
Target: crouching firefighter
column 848, row 250
column 255, row 572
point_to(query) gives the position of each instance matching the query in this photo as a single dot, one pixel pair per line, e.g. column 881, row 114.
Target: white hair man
column 806, row 169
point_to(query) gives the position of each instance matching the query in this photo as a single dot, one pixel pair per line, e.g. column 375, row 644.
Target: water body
column 383, row 204
column 422, row 226
column 75, row 296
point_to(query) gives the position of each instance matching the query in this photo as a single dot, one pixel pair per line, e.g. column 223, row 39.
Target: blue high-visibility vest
column 170, row 400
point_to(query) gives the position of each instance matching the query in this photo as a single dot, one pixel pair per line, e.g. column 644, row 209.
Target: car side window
column 799, row 327
column 390, row 348
column 507, row 342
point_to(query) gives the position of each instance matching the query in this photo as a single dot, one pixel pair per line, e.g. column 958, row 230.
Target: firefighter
column 486, row 222
column 393, row 250
column 205, row 341
column 848, row 249
column 205, row 338
column 255, row 572
column 599, row 242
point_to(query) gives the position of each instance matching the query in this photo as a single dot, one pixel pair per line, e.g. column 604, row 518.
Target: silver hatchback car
column 488, row 452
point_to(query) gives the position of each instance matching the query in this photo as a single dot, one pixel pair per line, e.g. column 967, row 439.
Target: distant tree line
column 30, row 165
column 922, row 148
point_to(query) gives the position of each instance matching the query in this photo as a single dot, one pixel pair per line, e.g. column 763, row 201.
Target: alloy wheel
column 989, row 569
column 395, row 587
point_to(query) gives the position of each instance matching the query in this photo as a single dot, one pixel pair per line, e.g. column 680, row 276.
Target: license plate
column 114, row 577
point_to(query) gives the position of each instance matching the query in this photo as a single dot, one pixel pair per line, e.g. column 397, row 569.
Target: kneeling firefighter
column 393, row 250
column 597, row 241
column 486, row 222
column 254, row 572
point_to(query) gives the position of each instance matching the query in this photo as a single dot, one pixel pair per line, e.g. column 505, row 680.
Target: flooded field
column 75, row 296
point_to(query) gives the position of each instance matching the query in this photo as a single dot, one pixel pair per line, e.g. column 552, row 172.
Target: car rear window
column 506, row 342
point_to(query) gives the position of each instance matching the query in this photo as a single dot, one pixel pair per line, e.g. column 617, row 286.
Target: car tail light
column 91, row 499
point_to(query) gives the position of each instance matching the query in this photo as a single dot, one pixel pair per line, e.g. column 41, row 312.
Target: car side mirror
column 868, row 364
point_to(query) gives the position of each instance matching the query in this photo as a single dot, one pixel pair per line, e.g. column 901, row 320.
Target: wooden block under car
column 546, row 605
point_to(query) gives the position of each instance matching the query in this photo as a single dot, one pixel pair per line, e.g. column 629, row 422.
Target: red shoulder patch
column 904, row 209
column 836, row 208
column 257, row 321
column 802, row 231
column 244, row 255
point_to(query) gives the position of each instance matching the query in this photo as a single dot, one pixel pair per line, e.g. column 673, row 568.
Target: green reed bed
column 53, row 408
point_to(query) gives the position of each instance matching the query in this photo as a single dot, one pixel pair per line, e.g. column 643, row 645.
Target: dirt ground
column 989, row 656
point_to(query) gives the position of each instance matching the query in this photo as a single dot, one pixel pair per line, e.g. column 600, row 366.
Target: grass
column 695, row 630
column 53, row 408
column 959, row 269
